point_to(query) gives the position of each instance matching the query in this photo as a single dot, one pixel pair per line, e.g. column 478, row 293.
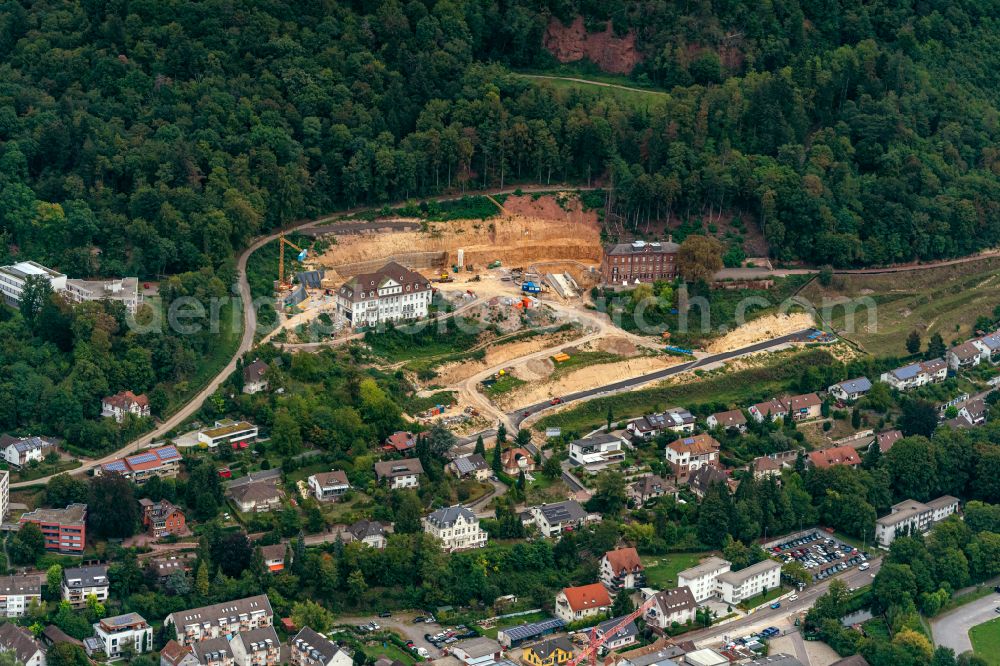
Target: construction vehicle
column 282, row 242
column 531, row 288
column 494, row 264
column 591, row 651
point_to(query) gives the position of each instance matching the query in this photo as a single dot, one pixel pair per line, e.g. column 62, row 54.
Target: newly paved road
column 520, row 415
column 951, row 630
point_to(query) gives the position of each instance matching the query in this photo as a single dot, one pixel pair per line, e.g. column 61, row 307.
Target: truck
column 531, row 288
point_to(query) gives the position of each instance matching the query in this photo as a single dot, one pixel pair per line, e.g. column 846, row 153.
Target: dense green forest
column 166, row 133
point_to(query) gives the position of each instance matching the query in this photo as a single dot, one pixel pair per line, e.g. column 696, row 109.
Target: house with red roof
column 163, row 461
column 579, row 603
column 400, row 441
column 117, row 406
column 835, row 455
column 621, row 569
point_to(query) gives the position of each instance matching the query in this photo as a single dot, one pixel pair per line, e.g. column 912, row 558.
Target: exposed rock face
column 616, row 55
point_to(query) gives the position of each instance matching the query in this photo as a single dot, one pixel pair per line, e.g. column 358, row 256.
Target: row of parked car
column 449, row 636
column 827, row 555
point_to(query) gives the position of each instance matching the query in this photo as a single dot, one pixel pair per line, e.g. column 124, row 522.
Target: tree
column 826, row 275
column 63, row 490
column 919, row 417
column 232, row 553
column 440, row 440
column 125, row 576
column 113, row 510
column 497, row 460
column 408, row 512
column 855, row 418
column 699, row 258
column 308, row 613
column 551, row 468
column 201, row 582
column 501, row 437
column 27, row 545
column 53, row 582
column 622, row 604
column 480, row 446
column 610, row 418
column 66, row 654
column 356, row 586
column 936, row 347
column 915, row 647
column 913, row 342
column 35, row 294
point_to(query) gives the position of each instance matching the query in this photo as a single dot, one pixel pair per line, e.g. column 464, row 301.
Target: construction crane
column 282, row 242
column 590, row 652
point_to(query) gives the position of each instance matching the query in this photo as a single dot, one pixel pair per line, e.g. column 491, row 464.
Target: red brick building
column 65, row 530
column 639, row 261
column 162, row 518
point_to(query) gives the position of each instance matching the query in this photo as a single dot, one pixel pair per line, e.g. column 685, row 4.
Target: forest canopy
column 154, row 137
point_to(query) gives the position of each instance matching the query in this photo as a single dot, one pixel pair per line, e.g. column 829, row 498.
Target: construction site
column 523, row 276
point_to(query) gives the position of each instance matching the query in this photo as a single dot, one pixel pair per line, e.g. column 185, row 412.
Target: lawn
column 30, row 473
column 508, row 622
column 985, row 639
column 662, row 570
column 742, row 387
column 944, row 300
column 753, row 602
column 505, row 384
column 391, row 651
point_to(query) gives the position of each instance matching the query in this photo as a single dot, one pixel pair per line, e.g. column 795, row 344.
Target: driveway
column 402, row 624
column 952, row 629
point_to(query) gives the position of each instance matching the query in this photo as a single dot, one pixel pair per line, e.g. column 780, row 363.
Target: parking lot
column 822, row 555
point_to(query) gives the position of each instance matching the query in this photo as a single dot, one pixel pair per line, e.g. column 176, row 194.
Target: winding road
column 179, row 417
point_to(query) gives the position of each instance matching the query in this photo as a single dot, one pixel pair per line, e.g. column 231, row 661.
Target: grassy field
column 741, row 387
column 505, row 384
column 645, row 99
column 985, row 639
column 579, row 360
column 753, row 602
column 662, row 570
column 943, row 300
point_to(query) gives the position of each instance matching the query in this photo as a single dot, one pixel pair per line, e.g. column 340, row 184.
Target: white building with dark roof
column 850, row 389
column 735, row 586
column 392, row 293
column 456, row 527
column 553, row 519
column 124, row 635
column 310, row 648
column 911, row 516
column 474, row 466
column 79, row 583
column 20, row 641
column 916, row 374
column 256, row 647
column 329, row 486
column 17, row 593
column 253, row 377
column 222, row 619
column 674, row 605
column 19, row 451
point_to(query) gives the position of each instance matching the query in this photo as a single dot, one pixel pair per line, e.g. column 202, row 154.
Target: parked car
column 418, row 619
column 864, row 567
column 776, row 604
column 385, row 614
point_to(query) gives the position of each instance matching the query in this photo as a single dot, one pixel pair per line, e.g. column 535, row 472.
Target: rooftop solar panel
column 116, row 466
column 168, row 453
column 143, row 458
column 525, row 631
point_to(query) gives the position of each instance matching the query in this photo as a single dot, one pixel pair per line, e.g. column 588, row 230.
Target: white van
column 864, row 566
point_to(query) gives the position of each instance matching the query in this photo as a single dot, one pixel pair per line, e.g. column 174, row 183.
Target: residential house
column 162, row 518
column 456, row 527
column 764, row 467
column 274, row 556
column 552, row 652
column 705, row 477
column 165, row 567
column 175, row 654
column 222, row 619
column 916, row 374
column 214, row 652
column 254, row 380
column 478, row 651
column 649, row 487
column 804, row 407
column 20, row 641
column 574, row 604
column 690, row 454
column 399, row 473
column 966, row 355
column 19, row 451
column 310, row 648
column 702, row 578
column 911, row 516
column 163, row 461
column 256, row 647
column 119, row 405
column 516, row 460
column 835, row 455
column 401, row 442
column 677, row 420
column 17, row 593
column 392, row 293
column 974, row 410
column 472, row 466
column 621, row 569
column 851, row 389
column 369, row 532
column 517, row 635
column 734, row 419
column 64, row 530
column 615, row 640
column 735, row 586
column 597, row 452
column 674, row 605
column 123, row 636
column 329, row 486
column 80, row 583
column 553, row 519
column 255, row 496
column 227, row 432
column 989, row 346
column 772, row 409
column 886, row 439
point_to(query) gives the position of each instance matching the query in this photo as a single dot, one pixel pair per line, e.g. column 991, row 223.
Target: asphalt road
column 952, row 629
column 520, row 415
column 767, row 616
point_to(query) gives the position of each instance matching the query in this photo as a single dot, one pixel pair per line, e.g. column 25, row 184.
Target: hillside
column 166, row 134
